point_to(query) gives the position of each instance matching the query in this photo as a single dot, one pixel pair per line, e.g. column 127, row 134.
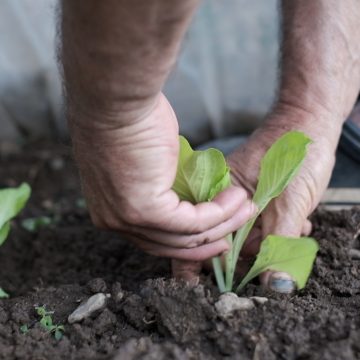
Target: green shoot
column 278, row 167
column 3, row 294
column 24, row 329
column 201, row 175
column 34, row 224
column 46, row 322
column 81, row 203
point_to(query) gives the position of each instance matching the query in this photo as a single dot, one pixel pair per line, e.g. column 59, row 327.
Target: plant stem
column 238, row 243
column 219, row 275
column 228, row 263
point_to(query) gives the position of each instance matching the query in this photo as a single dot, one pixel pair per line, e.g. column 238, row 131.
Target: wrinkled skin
column 127, row 175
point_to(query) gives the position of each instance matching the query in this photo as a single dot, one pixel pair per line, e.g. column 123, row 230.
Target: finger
column 186, row 270
column 200, row 253
column 285, row 217
column 278, row 281
column 245, row 212
column 187, row 218
column 307, row 228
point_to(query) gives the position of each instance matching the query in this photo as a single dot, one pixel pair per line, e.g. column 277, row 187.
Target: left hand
column 288, row 214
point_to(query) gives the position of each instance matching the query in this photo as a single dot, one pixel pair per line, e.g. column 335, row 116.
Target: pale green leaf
column 3, row 294
column 295, row 256
column 201, row 175
column 4, row 231
column 279, row 166
column 11, row 203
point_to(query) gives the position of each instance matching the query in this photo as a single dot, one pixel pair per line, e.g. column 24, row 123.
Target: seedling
column 201, row 175
column 34, row 224
column 24, row 329
column 12, row 201
column 3, row 294
column 46, row 322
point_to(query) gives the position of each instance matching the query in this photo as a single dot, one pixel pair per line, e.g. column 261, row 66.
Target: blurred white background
column 224, row 82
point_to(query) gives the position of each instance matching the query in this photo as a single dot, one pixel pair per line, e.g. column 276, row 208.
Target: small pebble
column 229, row 302
column 92, row 304
column 117, row 292
column 354, row 254
column 57, row 163
column 260, row 300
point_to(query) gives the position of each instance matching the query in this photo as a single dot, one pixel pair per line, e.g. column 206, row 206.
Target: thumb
column 286, row 221
column 186, row 270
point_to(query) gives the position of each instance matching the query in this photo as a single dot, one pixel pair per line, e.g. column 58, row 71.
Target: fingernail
column 281, row 282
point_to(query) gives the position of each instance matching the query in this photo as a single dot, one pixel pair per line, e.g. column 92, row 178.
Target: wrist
column 316, row 122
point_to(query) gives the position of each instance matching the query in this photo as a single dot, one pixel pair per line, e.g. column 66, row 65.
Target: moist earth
column 147, row 314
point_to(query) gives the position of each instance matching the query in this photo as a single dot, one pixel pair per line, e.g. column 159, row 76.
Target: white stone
column 92, row 304
column 229, row 302
column 354, row 254
column 259, row 299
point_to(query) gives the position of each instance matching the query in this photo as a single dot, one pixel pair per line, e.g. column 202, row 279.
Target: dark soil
column 148, row 315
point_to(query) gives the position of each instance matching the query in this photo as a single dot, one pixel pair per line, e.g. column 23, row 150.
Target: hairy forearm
column 320, row 64
column 116, row 54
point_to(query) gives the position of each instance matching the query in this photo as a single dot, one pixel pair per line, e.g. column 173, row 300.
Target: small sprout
column 46, row 322
column 34, row 224
column 58, row 333
column 24, row 329
column 3, row 294
column 81, row 203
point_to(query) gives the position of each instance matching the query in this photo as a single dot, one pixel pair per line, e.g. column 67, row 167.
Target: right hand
column 127, row 173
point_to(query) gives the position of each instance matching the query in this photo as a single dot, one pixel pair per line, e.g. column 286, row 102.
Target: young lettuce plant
column 12, row 201
column 200, row 176
column 278, row 167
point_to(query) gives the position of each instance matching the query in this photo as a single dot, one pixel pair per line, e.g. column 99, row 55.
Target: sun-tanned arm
column 116, row 56
column 320, row 80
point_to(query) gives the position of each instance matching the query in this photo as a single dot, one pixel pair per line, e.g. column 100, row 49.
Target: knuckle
column 196, row 241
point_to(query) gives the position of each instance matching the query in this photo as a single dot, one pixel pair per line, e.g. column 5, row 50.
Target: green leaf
column 24, row 329
column 33, row 224
column 12, row 202
column 201, row 175
column 4, row 232
column 58, row 334
column 279, row 166
column 294, row 256
column 3, row 294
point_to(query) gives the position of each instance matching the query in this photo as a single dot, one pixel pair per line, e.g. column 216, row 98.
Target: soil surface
column 148, row 315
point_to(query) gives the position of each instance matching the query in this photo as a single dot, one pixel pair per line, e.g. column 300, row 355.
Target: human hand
column 288, row 214
column 127, row 173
